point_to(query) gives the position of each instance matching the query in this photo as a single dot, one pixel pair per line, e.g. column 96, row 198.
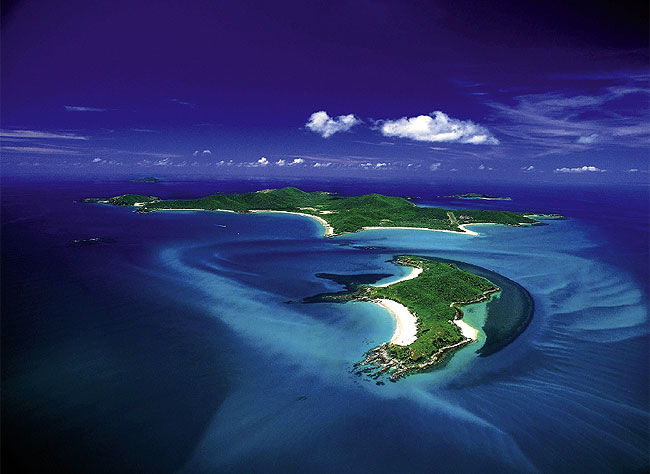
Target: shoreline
column 329, row 230
column 406, row 327
column 415, row 271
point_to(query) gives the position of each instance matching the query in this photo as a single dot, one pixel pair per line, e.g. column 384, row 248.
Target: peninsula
column 338, row 214
column 427, row 307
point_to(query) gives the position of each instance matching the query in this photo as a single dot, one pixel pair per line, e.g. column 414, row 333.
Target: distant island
column 337, row 214
column 148, row 179
column 426, row 304
column 481, row 196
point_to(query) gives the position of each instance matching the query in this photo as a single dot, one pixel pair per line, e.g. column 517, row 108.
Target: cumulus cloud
column 633, row 170
column 582, row 169
column 76, row 108
column 163, row 162
column 381, row 165
column 483, row 167
column 326, row 126
column 438, row 127
column 97, row 160
column 588, row 139
column 262, row 162
column 204, row 152
column 280, row 162
column 321, row 165
column 297, row 161
column 528, row 168
column 435, row 166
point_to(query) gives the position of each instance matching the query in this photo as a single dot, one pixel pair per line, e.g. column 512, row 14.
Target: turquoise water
column 176, row 348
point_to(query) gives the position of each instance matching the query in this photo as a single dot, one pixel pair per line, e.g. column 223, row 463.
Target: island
column 148, row 179
column 487, row 197
column 337, row 214
column 426, row 305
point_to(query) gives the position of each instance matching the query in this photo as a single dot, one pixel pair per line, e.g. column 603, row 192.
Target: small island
column 486, row 197
column 427, row 307
column 337, row 214
column 148, row 179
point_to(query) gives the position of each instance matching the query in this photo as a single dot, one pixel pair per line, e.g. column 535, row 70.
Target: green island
column 481, row 196
column 339, row 214
column 426, row 304
column 433, row 299
column 148, row 179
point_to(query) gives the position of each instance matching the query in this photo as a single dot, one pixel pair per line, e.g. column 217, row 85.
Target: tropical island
column 337, row 214
column 427, row 307
column 481, row 196
column 148, row 179
column 426, row 303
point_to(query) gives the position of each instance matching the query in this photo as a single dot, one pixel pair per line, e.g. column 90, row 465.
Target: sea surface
column 173, row 341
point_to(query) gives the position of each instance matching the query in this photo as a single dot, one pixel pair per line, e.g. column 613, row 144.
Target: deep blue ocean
column 169, row 345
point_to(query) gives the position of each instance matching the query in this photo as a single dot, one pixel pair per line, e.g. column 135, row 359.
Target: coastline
column 406, row 327
column 329, row 230
column 415, row 271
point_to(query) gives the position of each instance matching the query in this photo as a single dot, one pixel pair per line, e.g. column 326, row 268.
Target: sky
column 541, row 91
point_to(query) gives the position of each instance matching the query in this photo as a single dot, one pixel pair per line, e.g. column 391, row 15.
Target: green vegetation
column 481, row 196
column 432, row 297
column 131, row 199
column 344, row 214
column 148, row 179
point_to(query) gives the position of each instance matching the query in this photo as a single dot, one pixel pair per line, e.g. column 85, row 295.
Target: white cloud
column 38, row 134
column 582, row 169
column 297, row 161
column 435, row 166
column 262, row 162
column 438, row 127
column 321, row 165
column 39, row 149
column 528, row 168
column 381, row 165
column 163, row 162
column 483, row 167
column 588, row 139
column 633, row 170
column 75, row 108
column 326, row 126
column 280, row 162
column 97, row 160
column 204, row 152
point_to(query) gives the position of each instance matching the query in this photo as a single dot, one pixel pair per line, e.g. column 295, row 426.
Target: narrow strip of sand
column 468, row 331
column 406, row 328
column 462, row 227
column 415, row 271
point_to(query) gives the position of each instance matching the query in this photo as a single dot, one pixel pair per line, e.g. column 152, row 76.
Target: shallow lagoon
column 174, row 346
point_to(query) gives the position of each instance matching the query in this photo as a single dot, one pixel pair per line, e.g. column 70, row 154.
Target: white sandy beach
column 413, row 274
column 406, row 328
column 465, row 231
column 467, row 330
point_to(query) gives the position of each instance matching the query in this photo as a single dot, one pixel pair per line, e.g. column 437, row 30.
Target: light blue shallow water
column 563, row 397
column 201, row 364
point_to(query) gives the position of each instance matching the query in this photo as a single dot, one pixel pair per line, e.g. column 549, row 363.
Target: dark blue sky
column 430, row 90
